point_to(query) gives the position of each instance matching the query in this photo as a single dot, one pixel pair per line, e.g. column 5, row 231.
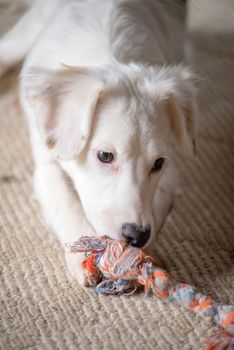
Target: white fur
column 93, row 79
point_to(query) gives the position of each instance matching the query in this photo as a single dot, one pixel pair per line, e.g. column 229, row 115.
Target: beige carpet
column 40, row 308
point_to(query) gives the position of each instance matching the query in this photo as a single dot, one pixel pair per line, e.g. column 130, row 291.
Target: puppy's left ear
column 182, row 109
column 64, row 104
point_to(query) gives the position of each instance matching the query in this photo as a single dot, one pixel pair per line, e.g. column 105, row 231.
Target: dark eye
column 105, row 157
column 158, row 164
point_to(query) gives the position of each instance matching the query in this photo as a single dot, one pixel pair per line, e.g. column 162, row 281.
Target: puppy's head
column 111, row 131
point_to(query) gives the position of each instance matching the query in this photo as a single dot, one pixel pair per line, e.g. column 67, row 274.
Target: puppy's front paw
column 75, row 268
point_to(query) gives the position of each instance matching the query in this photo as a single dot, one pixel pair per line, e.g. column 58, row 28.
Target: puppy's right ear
column 174, row 86
column 64, row 105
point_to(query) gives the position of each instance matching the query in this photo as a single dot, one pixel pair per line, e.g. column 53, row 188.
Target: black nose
column 135, row 235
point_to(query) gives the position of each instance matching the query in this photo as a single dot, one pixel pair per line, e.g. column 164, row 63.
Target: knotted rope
column 113, row 267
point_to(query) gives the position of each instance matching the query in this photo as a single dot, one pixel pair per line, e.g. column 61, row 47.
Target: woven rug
column 40, row 306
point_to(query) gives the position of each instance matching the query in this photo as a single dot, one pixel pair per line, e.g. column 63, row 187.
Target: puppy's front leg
column 63, row 211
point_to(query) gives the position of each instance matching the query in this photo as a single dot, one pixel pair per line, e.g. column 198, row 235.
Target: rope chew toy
column 113, row 267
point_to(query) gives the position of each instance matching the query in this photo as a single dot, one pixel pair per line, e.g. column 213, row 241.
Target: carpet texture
column 40, row 306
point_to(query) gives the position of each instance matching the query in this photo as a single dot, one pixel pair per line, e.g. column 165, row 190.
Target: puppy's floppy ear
column 64, row 104
column 182, row 110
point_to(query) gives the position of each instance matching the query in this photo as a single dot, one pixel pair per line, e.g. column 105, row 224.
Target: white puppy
column 102, row 112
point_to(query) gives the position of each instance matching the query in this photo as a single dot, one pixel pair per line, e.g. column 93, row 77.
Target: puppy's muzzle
column 135, row 235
